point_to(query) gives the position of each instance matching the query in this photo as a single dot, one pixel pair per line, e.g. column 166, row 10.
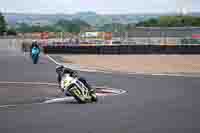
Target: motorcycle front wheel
column 35, row 59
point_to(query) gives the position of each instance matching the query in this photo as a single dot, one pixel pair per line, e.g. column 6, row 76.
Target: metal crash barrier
column 124, row 49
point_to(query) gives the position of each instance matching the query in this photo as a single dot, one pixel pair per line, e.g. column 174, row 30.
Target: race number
column 67, row 83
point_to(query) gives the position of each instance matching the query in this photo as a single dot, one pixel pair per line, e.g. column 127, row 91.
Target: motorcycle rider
column 34, row 46
column 61, row 71
column 34, row 52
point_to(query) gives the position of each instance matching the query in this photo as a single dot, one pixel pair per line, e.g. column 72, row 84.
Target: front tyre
column 35, row 59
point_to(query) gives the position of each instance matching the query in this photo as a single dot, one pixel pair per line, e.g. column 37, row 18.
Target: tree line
column 73, row 26
column 2, row 24
column 4, row 29
column 171, row 21
column 76, row 25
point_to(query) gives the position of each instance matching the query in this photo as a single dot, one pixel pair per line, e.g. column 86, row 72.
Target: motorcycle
column 35, row 56
column 77, row 89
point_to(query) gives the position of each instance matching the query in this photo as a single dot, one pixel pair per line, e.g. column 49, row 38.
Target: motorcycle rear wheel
column 93, row 97
column 77, row 95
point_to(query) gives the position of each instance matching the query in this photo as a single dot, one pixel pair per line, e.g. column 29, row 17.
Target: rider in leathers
column 34, row 44
column 61, row 70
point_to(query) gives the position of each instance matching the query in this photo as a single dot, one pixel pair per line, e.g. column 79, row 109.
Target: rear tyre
column 77, row 95
column 93, row 96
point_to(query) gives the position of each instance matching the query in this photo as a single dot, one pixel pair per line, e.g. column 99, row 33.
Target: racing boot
column 67, row 93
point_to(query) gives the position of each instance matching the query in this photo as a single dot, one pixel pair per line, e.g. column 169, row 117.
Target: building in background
column 102, row 38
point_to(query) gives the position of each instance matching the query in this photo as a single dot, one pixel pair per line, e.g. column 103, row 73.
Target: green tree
column 171, row 21
column 23, row 27
column 11, row 31
column 63, row 25
column 2, row 24
column 73, row 26
column 196, row 22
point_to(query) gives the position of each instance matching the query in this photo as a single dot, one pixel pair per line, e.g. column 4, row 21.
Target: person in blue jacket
column 35, row 51
column 35, row 46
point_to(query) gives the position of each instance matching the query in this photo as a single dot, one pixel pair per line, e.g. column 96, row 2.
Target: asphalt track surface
column 153, row 104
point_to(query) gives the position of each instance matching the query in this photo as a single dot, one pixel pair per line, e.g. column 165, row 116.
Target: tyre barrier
column 124, row 49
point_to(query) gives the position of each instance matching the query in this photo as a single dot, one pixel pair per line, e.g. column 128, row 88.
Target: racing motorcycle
column 35, row 55
column 77, row 89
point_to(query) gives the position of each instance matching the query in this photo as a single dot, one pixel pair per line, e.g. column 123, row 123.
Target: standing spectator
column 77, row 41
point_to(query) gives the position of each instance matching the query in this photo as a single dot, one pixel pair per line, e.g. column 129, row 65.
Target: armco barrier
column 124, row 49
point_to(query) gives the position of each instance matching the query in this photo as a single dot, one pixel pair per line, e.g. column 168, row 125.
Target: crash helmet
column 35, row 44
column 71, row 72
column 59, row 68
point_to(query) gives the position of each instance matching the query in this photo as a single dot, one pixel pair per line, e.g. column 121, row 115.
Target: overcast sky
column 99, row 6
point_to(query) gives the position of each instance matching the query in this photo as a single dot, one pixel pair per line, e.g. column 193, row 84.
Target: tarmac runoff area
column 169, row 65
column 152, row 104
column 44, row 93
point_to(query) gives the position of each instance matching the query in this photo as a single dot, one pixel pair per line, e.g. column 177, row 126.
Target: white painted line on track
column 104, row 88
column 112, row 91
column 70, row 99
column 57, row 100
column 7, row 106
column 28, row 83
column 106, row 91
column 53, row 60
column 129, row 73
column 16, row 105
column 165, row 74
column 71, row 66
